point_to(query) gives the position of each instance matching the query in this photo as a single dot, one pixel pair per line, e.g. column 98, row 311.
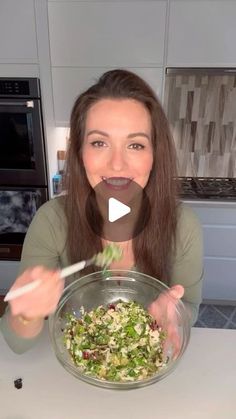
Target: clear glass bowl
column 95, row 289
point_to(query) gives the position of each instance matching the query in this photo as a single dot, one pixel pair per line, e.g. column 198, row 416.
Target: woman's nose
column 117, row 160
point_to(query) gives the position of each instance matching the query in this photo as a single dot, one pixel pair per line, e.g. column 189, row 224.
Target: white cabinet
column 8, row 274
column 107, row 33
column 19, row 70
column 219, row 280
column 219, row 230
column 68, row 83
column 202, row 33
column 17, row 32
column 88, row 38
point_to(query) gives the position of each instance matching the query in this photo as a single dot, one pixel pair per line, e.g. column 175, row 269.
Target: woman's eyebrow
column 95, row 131
column 132, row 135
column 139, row 134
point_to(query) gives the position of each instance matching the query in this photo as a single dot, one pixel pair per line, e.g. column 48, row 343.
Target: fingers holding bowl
column 165, row 312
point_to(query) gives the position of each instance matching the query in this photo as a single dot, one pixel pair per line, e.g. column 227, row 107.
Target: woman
column 118, row 130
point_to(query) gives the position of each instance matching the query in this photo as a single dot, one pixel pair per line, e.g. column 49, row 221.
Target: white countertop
column 202, row 387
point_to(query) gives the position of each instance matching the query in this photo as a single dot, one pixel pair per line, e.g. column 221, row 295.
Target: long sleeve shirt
column 45, row 244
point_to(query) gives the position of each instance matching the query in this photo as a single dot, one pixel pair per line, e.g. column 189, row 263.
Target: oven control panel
column 14, row 87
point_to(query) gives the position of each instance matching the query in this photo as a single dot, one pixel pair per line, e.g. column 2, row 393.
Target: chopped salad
column 120, row 342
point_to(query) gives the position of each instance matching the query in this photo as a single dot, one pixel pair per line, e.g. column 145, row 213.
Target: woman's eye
column 136, row 146
column 98, row 143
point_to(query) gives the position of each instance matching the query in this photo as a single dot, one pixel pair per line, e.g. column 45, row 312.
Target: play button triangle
column 116, row 209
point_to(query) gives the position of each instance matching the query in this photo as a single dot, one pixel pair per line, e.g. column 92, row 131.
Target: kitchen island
column 203, row 385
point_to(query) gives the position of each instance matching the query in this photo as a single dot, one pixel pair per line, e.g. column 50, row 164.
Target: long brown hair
column 153, row 247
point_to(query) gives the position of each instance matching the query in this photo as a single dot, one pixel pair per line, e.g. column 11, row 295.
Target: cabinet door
column 120, row 33
column 17, row 32
column 219, row 279
column 219, row 262
column 219, row 231
column 19, row 70
column 202, row 33
column 68, row 83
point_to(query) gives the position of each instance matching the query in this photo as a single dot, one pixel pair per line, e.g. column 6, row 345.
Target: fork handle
column 69, row 270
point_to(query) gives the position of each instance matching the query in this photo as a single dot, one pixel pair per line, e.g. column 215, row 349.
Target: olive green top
column 45, row 244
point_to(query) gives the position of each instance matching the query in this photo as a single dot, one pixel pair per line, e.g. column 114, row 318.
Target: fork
column 110, row 252
column 69, row 270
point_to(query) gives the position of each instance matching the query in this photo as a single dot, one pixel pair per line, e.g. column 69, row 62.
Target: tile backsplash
column 201, row 107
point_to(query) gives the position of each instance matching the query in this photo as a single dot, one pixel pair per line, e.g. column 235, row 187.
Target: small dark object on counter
column 18, row 383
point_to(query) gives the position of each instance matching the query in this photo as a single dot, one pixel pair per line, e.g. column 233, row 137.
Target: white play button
column 116, row 209
column 117, row 213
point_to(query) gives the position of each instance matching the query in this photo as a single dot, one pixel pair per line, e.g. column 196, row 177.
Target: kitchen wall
column 86, row 39
column 67, row 44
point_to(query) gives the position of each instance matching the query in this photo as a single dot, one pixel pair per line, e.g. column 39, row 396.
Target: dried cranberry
column 86, row 355
column 111, row 307
column 18, row 383
column 154, row 325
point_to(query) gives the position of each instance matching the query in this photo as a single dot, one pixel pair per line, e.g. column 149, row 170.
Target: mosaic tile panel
column 201, row 108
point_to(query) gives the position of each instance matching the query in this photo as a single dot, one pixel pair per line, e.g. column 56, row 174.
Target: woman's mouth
column 117, row 183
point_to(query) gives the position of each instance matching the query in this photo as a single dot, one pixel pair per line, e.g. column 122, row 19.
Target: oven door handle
column 27, row 103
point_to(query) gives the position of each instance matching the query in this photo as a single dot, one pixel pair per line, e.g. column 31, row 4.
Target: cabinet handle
column 28, row 103
column 5, row 250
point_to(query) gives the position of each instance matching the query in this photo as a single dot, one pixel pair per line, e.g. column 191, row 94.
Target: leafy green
column 112, row 252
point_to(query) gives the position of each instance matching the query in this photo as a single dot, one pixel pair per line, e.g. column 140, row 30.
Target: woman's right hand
column 41, row 301
column 163, row 310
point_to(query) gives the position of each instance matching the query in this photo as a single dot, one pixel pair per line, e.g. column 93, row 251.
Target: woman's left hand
column 163, row 310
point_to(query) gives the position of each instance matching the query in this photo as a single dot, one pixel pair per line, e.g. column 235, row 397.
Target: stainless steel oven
column 22, row 152
column 23, row 173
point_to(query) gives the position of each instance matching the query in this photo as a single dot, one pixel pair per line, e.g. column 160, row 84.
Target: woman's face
column 117, row 142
